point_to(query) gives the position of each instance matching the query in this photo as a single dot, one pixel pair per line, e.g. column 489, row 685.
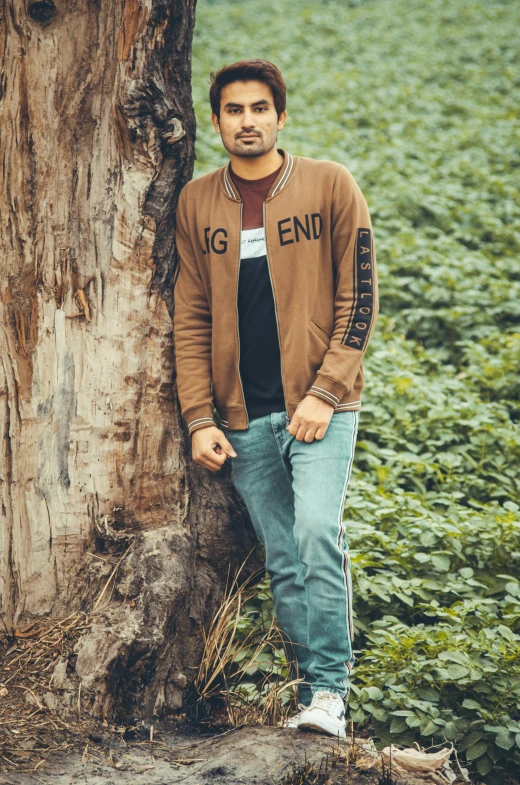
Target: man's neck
column 257, row 166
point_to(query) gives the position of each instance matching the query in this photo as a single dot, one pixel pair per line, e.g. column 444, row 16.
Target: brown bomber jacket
column 322, row 263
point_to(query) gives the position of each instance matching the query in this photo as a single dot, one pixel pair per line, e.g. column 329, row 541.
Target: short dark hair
column 248, row 71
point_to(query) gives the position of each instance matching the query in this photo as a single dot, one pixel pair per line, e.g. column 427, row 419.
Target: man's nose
column 248, row 120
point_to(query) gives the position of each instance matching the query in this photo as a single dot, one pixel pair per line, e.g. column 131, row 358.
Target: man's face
column 248, row 121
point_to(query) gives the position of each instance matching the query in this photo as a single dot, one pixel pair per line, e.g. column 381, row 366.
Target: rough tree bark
column 97, row 134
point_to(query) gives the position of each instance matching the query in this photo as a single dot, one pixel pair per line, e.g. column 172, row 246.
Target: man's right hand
column 210, row 448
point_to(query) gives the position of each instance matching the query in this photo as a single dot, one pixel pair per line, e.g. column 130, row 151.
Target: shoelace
column 325, row 700
column 301, row 707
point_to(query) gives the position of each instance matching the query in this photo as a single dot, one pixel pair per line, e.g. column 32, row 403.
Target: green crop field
column 420, row 101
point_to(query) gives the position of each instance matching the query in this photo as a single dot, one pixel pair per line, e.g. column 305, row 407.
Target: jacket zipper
column 274, row 301
column 236, row 304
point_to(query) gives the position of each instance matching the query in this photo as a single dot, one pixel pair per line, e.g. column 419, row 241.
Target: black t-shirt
column 260, row 368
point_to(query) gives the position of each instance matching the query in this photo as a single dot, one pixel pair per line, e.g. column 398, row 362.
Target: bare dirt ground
column 255, row 755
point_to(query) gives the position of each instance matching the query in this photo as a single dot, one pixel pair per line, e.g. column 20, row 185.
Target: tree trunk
column 97, row 138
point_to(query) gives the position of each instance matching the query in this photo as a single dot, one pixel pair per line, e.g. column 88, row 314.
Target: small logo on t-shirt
column 252, row 243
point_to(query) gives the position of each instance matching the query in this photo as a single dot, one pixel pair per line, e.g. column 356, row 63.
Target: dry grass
column 219, row 675
column 31, row 728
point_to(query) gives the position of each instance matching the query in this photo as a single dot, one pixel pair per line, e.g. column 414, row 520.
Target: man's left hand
column 311, row 419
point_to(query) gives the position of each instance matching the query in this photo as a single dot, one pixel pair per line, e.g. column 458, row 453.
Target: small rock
column 33, row 699
column 50, row 700
column 60, row 673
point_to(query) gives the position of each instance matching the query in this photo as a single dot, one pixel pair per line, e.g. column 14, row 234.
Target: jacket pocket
column 360, row 379
column 318, row 344
column 321, row 332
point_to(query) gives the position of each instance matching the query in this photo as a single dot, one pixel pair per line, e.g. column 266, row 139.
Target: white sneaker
column 293, row 721
column 326, row 714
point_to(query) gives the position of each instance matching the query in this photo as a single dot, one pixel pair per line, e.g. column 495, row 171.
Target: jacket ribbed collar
column 278, row 185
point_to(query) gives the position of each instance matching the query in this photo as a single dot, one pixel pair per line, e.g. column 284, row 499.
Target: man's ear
column 281, row 120
column 216, row 124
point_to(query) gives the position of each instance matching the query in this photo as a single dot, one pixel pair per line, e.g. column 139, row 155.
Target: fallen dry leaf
column 413, row 760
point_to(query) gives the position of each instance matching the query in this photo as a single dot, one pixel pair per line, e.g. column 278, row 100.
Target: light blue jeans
column 295, row 493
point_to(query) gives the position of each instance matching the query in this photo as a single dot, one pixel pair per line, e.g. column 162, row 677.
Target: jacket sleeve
column 192, row 326
column 356, row 300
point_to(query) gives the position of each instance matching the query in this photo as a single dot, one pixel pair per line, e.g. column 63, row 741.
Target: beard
column 250, row 148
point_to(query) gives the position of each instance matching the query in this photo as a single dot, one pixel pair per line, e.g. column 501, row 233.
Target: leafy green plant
column 452, row 681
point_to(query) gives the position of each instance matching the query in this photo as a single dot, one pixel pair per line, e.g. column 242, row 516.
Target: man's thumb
column 226, row 446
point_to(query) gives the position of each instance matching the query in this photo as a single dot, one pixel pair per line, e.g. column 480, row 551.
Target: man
column 275, row 303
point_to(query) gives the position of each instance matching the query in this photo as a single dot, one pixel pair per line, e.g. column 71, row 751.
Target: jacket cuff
column 327, row 389
column 199, row 417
